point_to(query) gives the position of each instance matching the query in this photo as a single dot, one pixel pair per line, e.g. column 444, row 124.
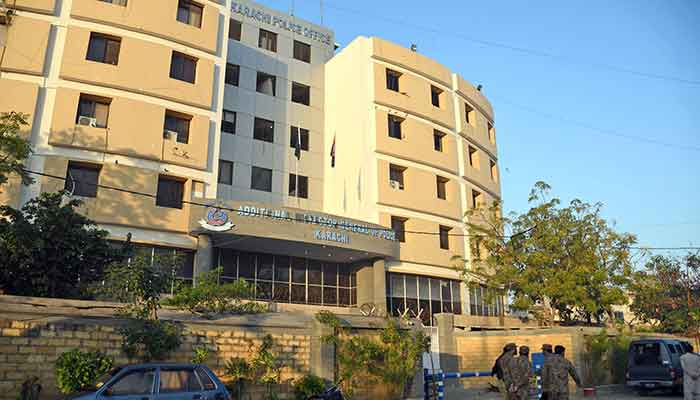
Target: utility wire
column 292, row 219
column 608, row 132
column 518, row 49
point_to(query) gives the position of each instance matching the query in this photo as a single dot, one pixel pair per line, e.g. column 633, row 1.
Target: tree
column 139, row 282
column 209, row 298
column 48, row 249
column 563, row 260
column 667, row 293
column 391, row 358
column 13, row 148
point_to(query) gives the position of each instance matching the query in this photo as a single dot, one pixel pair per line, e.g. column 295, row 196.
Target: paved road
column 578, row 396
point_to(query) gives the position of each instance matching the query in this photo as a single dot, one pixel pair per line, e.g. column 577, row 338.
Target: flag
column 297, row 145
column 333, row 153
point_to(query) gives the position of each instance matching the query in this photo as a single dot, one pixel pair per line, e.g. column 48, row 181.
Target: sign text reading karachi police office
column 280, row 22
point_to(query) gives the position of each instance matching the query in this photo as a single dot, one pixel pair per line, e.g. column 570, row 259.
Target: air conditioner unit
column 87, row 121
column 396, row 185
column 170, row 135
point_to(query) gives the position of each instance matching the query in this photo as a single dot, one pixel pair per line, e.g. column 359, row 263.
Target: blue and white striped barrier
column 439, row 380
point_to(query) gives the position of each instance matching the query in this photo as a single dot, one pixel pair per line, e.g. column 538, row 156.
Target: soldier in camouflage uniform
column 520, row 374
column 546, row 384
column 557, row 375
column 500, row 369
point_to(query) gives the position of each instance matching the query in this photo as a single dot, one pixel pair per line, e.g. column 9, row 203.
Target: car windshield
column 100, row 381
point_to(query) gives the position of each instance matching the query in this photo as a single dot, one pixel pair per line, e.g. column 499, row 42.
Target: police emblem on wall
column 216, row 220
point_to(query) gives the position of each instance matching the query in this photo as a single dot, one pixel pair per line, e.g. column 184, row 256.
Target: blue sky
column 541, row 102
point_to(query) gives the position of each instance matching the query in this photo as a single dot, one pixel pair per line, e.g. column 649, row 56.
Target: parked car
column 655, row 364
column 157, row 382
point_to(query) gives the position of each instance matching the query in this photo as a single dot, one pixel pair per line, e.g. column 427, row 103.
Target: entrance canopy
column 287, row 231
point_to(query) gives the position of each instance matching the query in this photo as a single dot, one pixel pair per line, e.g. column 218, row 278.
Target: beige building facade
column 239, row 137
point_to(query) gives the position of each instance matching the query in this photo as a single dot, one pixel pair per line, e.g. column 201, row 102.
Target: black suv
column 655, row 364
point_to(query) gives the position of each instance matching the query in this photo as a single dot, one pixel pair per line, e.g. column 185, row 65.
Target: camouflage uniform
column 519, row 374
column 546, row 381
column 504, row 364
column 557, row 373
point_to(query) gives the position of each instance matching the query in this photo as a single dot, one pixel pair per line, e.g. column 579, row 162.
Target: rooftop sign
column 280, row 22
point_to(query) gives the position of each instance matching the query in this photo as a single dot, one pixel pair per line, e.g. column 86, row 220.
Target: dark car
column 157, row 382
column 655, row 364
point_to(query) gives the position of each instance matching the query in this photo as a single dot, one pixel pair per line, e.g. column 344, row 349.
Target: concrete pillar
column 322, row 354
column 446, row 339
column 371, row 285
column 204, row 259
column 379, row 275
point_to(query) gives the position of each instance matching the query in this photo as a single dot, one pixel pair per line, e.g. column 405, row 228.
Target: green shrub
column 150, row 339
column 76, row 369
column 200, row 354
column 308, row 385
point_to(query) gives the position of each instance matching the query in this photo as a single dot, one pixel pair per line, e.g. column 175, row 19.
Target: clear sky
column 546, row 106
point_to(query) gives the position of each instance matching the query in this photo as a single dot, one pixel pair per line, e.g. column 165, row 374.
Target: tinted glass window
column 261, row 179
column 104, row 49
column 234, row 30
column 177, row 124
column 267, row 40
column 301, row 93
column 205, row 379
column 646, row 353
column 183, row 67
column 302, row 51
column 170, row 192
column 81, row 179
column 137, row 382
column 179, row 380
column 189, row 13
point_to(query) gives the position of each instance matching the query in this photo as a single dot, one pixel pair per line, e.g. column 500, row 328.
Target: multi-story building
column 236, row 135
column 415, row 149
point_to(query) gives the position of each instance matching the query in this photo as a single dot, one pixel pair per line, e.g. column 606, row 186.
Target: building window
column 228, row 122
column 267, row 40
column 189, row 13
column 302, row 51
column 301, row 93
column 392, row 79
column 445, row 237
column 153, row 254
column 299, row 186
column 299, row 137
column 82, row 179
column 285, row 279
column 494, row 171
column 442, row 187
column 232, row 74
column 469, row 114
column 225, row 172
column 476, row 199
column 177, row 127
column 398, row 225
column 422, row 297
column 473, row 157
column 435, row 94
column 103, row 48
column 396, row 176
column 115, row 2
column 261, row 179
column 264, row 130
column 234, row 29
column 438, row 141
column 170, row 192
column 183, row 67
column 93, row 111
column 265, row 83
column 395, row 126
column 485, row 302
column 492, row 133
